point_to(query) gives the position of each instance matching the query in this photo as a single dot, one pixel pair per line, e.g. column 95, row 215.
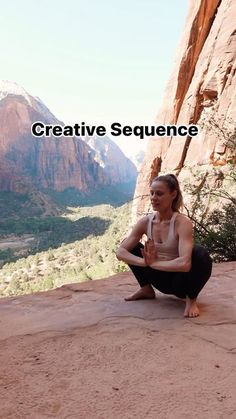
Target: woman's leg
column 196, row 279
column 148, row 278
column 142, row 274
column 199, row 273
column 181, row 284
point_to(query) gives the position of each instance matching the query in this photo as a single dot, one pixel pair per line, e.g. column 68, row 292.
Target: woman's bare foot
column 146, row 292
column 191, row 308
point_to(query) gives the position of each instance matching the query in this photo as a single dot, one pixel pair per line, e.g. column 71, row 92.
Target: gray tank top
column 167, row 250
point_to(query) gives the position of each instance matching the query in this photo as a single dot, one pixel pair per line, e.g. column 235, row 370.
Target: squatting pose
column 168, row 261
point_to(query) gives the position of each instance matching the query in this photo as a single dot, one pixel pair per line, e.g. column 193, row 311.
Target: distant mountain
column 12, row 89
column 137, row 158
column 55, row 164
column 117, row 167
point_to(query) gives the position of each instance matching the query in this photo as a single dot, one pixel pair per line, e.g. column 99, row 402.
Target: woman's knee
column 201, row 259
column 200, row 252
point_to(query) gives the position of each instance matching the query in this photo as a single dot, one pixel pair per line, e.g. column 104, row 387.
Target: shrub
column 219, row 232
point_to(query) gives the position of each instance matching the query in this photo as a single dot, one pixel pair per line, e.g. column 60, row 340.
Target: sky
column 97, row 61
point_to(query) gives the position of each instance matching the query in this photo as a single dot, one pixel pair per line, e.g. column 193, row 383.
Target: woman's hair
column 173, row 185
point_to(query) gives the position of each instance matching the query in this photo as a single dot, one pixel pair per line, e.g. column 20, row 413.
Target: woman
column 168, row 261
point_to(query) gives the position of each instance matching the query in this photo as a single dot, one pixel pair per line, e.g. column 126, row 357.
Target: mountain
column 8, row 88
column 137, row 158
column 117, row 167
column 201, row 90
column 52, row 164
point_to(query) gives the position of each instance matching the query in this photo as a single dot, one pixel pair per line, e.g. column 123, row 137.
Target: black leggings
column 181, row 284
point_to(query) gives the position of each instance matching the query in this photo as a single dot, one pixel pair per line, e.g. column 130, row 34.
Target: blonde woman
column 168, row 261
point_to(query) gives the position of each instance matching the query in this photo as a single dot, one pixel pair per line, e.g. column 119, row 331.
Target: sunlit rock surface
column 81, row 351
column 201, row 87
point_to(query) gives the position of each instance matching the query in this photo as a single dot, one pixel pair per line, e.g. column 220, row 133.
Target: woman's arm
column 123, row 252
column 184, row 261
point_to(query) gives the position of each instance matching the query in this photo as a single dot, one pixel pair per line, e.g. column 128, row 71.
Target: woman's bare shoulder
column 135, row 233
column 182, row 219
column 142, row 223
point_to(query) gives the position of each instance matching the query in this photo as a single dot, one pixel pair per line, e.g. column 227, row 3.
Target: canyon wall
column 52, row 163
column 201, row 90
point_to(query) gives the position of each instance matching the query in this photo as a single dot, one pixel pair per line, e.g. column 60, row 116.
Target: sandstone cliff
column 52, row 163
column 201, row 88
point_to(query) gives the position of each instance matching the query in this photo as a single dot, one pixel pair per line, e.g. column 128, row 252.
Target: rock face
column 52, row 163
column 201, row 88
column 55, row 163
column 117, row 167
column 81, row 351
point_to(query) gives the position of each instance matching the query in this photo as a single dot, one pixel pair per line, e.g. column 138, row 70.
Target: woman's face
column 161, row 196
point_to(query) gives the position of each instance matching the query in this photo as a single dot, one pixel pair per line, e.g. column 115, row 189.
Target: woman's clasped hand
column 149, row 252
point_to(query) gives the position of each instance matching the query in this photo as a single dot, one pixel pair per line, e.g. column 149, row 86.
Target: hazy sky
column 98, row 61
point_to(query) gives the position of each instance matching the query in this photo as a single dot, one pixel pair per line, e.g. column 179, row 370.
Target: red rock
column 203, row 83
column 60, row 349
column 52, row 163
column 49, row 163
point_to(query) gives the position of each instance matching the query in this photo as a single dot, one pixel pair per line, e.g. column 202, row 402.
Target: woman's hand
column 149, row 252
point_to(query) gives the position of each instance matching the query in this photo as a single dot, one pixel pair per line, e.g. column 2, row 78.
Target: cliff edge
column 81, row 351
